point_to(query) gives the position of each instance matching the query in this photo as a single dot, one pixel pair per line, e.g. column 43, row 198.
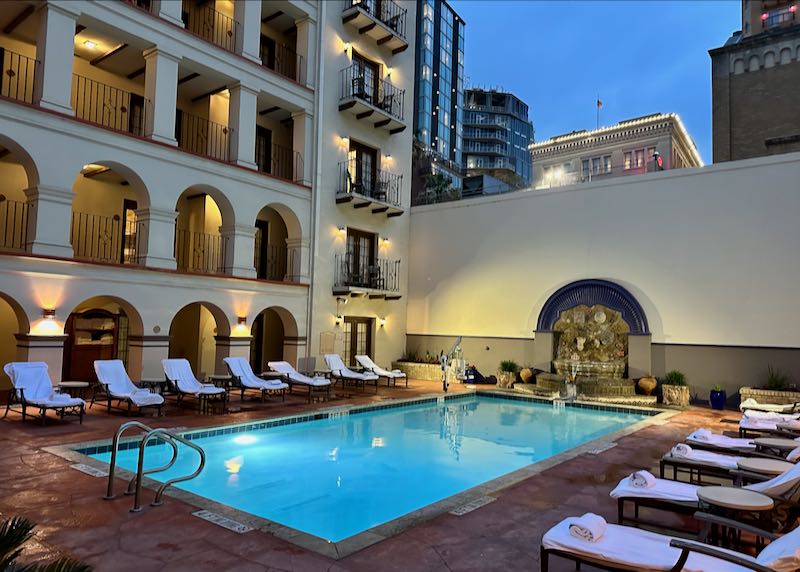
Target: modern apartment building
column 754, row 83
column 438, row 92
column 626, row 148
column 173, row 176
column 497, row 134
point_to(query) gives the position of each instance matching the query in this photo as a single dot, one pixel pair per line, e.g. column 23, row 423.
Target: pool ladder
column 135, row 484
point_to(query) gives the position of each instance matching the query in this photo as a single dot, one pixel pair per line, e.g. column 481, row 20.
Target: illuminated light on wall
column 381, row 322
column 384, row 241
column 48, row 325
column 346, row 46
column 241, row 329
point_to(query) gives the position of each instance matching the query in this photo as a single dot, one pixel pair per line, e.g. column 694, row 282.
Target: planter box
column 675, row 395
column 769, row 396
column 505, row 379
column 424, row 371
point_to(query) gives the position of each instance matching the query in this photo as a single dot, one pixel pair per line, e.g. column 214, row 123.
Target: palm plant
column 14, row 533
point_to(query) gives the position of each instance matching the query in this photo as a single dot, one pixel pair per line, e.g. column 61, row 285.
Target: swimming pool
column 338, row 476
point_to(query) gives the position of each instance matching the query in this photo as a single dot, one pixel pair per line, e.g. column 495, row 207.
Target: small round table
column 778, row 445
column 80, row 387
column 156, row 384
column 765, row 466
column 734, row 498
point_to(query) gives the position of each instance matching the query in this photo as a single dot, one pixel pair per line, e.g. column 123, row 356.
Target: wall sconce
column 341, row 230
column 346, row 47
column 389, row 71
column 387, row 156
column 384, row 241
column 49, row 313
column 241, row 320
column 381, row 322
column 338, row 320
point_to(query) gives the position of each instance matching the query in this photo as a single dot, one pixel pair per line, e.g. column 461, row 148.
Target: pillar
column 54, row 51
column 49, row 349
column 49, row 218
column 247, row 14
column 639, row 356
column 230, row 346
column 303, row 142
column 543, row 350
column 161, row 95
column 239, row 244
column 157, row 242
column 307, row 49
column 294, row 347
column 242, row 119
column 169, row 10
column 298, row 260
column 144, row 356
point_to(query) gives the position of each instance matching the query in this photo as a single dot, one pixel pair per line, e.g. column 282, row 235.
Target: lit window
column 627, row 164
column 640, row 157
column 607, row 164
column 596, row 165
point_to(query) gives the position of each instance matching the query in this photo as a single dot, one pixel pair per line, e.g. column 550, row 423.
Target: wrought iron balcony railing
column 275, row 262
column 13, row 224
column 280, row 162
column 285, row 61
column 358, row 83
column 201, row 136
column 353, row 271
column 390, row 13
column 200, row 251
column 355, row 176
column 108, row 106
column 105, row 238
column 18, row 76
column 211, row 25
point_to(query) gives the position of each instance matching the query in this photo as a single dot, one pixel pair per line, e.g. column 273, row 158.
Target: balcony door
column 129, row 232
column 357, row 338
column 264, row 149
column 365, row 79
column 361, row 249
column 362, row 168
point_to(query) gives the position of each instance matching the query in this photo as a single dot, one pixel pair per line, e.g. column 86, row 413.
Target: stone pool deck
column 502, row 535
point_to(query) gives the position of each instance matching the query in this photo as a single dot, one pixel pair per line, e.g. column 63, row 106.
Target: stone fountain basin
column 606, row 369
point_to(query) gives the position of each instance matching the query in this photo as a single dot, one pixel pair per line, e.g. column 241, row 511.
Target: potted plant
column 674, row 389
column 776, row 390
column 507, row 374
column 717, row 397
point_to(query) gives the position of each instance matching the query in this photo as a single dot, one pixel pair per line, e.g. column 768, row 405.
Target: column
column 157, row 237
column 247, row 14
column 169, row 10
column 145, row 354
column 242, row 119
column 161, row 95
column 49, row 218
column 294, row 347
column 303, row 142
column 307, row 49
column 543, row 350
column 230, row 346
column 49, row 349
column 54, row 51
column 239, row 244
column 298, row 260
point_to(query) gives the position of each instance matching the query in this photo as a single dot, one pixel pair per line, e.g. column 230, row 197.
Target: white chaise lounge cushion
column 33, row 379
column 295, row 376
column 336, row 365
column 180, row 373
column 367, row 363
column 706, row 436
column 779, row 485
column 663, row 489
column 240, row 368
column 628, row 547
column 682, row 451
column 112, row 374
column 782, row 554
column 752, row 404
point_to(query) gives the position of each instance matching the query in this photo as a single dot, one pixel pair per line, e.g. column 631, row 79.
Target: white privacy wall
column 711, row 254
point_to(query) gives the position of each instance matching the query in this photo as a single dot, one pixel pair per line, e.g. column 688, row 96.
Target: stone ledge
column 638, row 400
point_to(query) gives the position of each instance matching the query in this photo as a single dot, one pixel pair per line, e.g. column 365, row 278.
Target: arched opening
column 200, row 245
column 104, row 222
column 13, row 321
column 276, row 254
column 274, row 334
column 192, row 335
column 17, row 173
column 98, row 328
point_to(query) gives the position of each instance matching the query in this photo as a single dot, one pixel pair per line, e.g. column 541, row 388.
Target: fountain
column 591, row 342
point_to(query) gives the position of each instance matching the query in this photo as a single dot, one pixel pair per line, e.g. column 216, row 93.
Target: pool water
column 336, row 477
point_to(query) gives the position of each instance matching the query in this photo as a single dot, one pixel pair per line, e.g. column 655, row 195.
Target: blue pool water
column 334, row 478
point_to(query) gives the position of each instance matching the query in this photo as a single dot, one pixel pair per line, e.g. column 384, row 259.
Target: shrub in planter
column 717, row 398
column 674, row 389
column 776, row 379
column 507, row 374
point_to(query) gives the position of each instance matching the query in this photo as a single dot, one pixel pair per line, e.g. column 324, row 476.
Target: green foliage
column 414, row 357
column 14, row 533
column 717, row 387
column 777, row 380
column 675, row 377
column 509, row 366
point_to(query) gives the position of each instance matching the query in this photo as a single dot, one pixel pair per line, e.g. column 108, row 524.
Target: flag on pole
column 599, row 104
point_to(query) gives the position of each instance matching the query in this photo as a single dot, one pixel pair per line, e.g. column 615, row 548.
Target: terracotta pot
column 647, row 385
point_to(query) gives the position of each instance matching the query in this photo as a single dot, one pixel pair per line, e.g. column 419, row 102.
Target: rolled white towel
column 681, row 450
column 794, row 455
column 702, row 435
column 590, row 527
column 643, row 479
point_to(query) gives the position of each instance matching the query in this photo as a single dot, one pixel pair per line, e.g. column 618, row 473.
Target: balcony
column 377, row 278
column 370, row 99
column 382, row 20
column 200, row 136
column 280, row 162
column 18, row 74
column 363, row 188
column 272, row 261
column 13, row 224
column 98, row 238
column 108, row 106
column 204, row 21
column 490, row 121
column 482, row 134
column 285, row 61
column 200, row 251
column 484, row 148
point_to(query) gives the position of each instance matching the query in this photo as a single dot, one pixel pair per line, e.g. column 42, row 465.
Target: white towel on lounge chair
column 240, row 368
column 589, row 527
column 180, row 373
column 336, row 365
column 112, row 374
column 779, row 485
column 295, row 376
column 794, row 455
column 751, row 404
column 718, row 440
column 634, row 549
column 770, row 415
column 367, row 363
column 661, row 489
column 683, row 451
column 642, row 479
column 37, row 388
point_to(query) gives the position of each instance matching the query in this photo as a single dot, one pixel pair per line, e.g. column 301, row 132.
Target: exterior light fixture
column 341, row 229
column 389, row 71
column 381, row 322
column 90, row 44
column 384, row 240
column 242, row 320
column 49, row 313
column 346, row 47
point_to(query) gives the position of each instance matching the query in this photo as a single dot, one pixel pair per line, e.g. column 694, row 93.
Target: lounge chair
column 682, row 458
column 705, row 439
column 341, row 372
column 297, row 379
column 626, row 548
column 391, row 376
column 242, row 373
column 758, row 422
column 752, row 404
column 33, row 388
column 180, row 375
column 116, row 384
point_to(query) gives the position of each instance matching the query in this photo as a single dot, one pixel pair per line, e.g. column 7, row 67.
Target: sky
column 637, row 56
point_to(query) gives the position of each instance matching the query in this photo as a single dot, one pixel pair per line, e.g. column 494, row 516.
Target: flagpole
column 597, row 105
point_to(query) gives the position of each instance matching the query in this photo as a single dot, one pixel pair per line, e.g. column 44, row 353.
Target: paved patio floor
column 503, row 535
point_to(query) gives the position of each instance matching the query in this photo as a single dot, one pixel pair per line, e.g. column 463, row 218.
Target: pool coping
column 77, row 453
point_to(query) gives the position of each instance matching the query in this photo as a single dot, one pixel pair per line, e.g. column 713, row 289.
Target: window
column 365, row 79
column 607, row 164
column 584, row 168
column 357, row 338
column 362, row 173
column 361, row 268
column 639, row 154
column 596, row 165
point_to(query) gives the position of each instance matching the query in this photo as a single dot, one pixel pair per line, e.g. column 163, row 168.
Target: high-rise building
column 754, row 83
column 497, row 134
column 438, row 93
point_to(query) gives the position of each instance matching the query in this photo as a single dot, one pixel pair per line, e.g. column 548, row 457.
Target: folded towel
column 590, row 527
column 793, row 424
column 794, row 455
column 681, row 450
column 702, row 434
column 643, row 479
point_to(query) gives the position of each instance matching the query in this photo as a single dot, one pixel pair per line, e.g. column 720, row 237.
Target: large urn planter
column 675, row 395
column 647, row 385
column 506, row 379
column 717, row 398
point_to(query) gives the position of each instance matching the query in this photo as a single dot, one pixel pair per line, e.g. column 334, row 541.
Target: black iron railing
column 108, row 106
column 13, row 224
column 200, row 251
column 285, row 61
column 387, row 11
column 19, row 76
column 478, row 147
column 201, row 136
column 360, row 84
column 146, row 5
column 211, row 25
column 105, row 238
column 355, row 176
column 281, row 162
column 361, row 272
column 273, row 262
